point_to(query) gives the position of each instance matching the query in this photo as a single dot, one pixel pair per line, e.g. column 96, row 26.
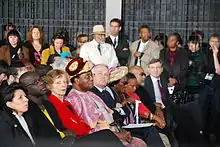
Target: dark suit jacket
column 145, row 98
column 122, row 50
column 12, row 133
column 111, row 103
column 148, row 85
column 179, row 68
column 43, row 129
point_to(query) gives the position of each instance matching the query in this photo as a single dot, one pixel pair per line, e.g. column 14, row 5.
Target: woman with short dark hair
column 14, row 51
column 15, row 125
column 57, row 47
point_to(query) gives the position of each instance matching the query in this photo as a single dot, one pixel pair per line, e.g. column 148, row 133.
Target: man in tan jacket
column 144, row 49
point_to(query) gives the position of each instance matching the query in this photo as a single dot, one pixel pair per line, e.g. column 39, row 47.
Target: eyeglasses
column 143, row 74
column 132, row 86
column 35, row 82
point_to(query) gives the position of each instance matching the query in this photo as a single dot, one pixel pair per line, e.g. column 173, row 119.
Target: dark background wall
column 74, row 15
column 165, row 16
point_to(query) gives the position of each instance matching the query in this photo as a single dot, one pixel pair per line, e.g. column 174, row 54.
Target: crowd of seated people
column 55, row 94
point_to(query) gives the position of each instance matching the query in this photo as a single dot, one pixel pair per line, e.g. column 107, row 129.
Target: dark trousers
column 104, row 138
column 149, row 134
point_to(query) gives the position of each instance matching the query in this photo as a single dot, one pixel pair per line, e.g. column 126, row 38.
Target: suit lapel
column 109, row 40
column 150, row 88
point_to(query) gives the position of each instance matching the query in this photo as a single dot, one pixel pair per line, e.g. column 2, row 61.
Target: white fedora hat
column 98, row 29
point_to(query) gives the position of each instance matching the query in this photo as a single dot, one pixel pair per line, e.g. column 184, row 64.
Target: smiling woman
column 14, row 124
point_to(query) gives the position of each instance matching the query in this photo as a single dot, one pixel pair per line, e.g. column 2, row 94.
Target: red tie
column 161, row 92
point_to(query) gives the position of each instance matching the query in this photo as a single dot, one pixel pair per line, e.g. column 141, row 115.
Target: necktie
column 161, row 92
column 99, row 48
column 114, row 43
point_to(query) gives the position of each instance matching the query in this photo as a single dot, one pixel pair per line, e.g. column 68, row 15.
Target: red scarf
column 69, row 119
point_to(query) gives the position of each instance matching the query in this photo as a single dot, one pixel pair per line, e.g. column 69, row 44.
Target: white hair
column 98, row 65
column 60, row 63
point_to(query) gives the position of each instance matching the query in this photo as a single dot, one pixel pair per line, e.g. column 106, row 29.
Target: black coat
column 28, row 45
column 43, row 130
column 145, row 98
column 122, row 50
column 148, row 85
column 12, row 133
column 179, row 68
column 111, row 103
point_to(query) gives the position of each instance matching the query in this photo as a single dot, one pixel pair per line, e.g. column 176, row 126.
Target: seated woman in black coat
column 15, row 125
column 197, row 64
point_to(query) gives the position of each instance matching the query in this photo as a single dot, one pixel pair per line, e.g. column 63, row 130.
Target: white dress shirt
column 157, row 93
column 24, row 125
column 141, row 50
column 113, row 40
column 89, row 51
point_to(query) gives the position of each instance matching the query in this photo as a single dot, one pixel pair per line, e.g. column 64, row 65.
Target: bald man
column 142, row 93
column 148, row 101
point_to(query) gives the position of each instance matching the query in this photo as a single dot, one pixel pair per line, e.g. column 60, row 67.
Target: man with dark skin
column 37, row 93
column 46, row 132
column 175, row 62
column 139, row 74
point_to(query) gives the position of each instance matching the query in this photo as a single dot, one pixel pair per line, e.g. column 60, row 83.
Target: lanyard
column 62, row 135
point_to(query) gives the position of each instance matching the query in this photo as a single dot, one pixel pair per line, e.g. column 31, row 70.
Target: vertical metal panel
column 74, row 15
column 183, row 16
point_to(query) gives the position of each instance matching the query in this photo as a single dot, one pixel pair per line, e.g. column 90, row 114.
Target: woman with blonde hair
column 57, row 82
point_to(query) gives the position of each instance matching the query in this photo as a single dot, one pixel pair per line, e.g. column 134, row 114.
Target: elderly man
column 97, row 51
column 89, row 106
column 101, row 77
column 144, row 49
column 47, row 124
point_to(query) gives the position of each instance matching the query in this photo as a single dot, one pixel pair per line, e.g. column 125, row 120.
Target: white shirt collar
column 142, row 43
column 154, row 79
column 100, row 89
column 113, row 38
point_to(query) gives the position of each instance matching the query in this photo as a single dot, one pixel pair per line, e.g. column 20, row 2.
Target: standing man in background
column 118, row 41
column 144, row 49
